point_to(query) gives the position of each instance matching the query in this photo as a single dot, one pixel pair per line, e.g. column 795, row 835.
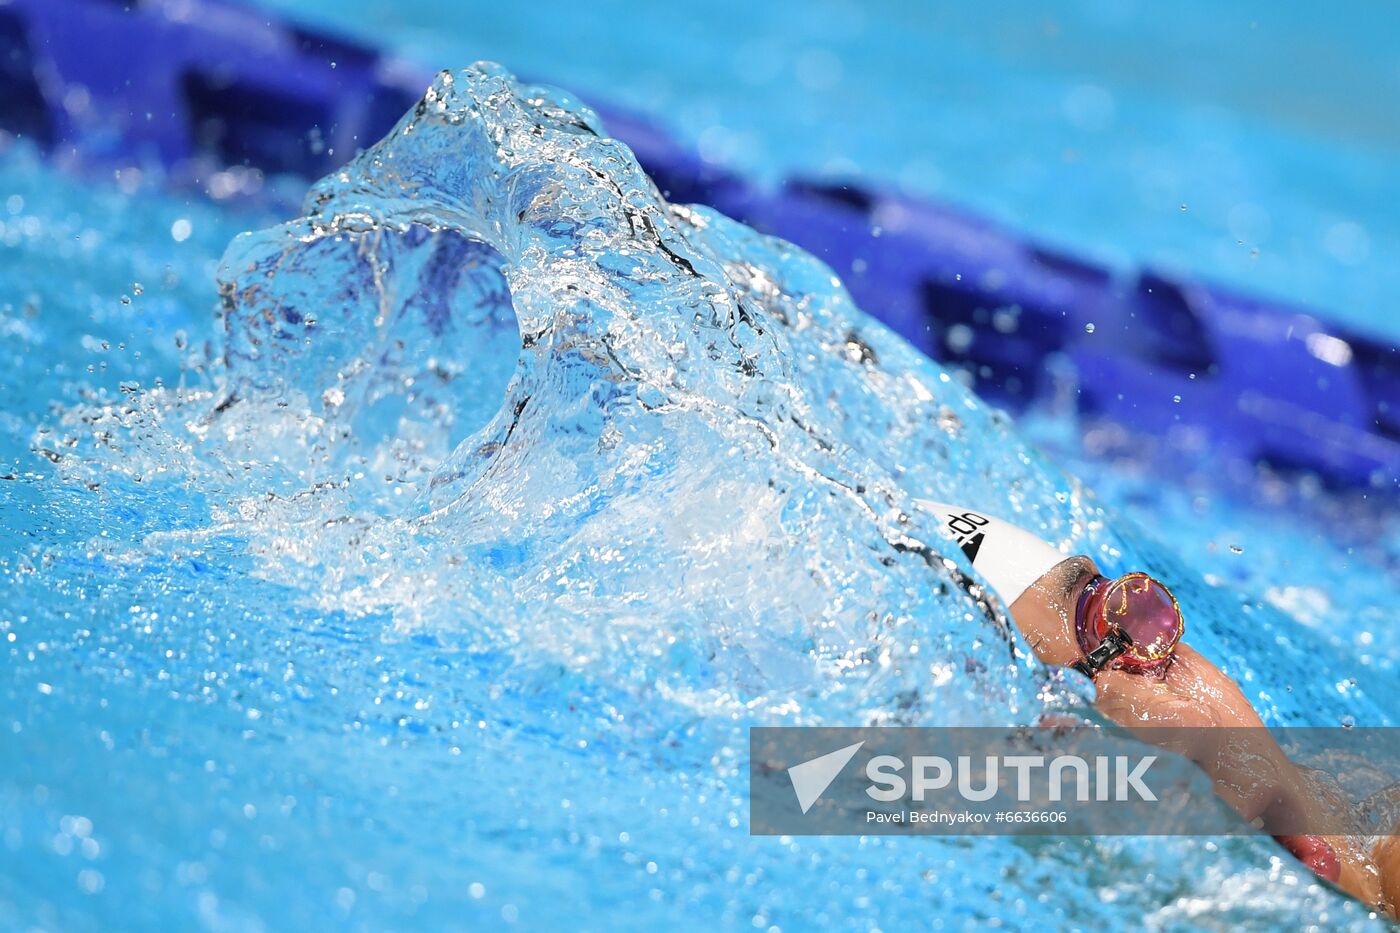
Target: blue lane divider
column 192, row 83
column 196, row 85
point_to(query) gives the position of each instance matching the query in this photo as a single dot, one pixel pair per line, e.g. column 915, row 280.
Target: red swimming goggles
column 1132, row 622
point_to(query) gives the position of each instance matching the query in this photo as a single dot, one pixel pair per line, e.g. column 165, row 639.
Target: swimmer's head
column 1073, row 616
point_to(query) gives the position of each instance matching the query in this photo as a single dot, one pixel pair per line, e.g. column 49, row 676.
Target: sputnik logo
column 811, row 778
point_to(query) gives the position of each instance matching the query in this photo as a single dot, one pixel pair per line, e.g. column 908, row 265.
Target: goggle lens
column 1138, row 606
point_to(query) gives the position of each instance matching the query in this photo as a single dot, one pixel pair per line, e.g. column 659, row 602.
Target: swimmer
column 1126, row 635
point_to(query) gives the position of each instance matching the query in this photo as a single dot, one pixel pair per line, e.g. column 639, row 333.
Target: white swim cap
column 1007, row 557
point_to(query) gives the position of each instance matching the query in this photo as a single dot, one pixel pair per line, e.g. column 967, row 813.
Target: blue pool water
column 386, row 621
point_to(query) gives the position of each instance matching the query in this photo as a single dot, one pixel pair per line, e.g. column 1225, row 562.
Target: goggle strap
column 1114, row 643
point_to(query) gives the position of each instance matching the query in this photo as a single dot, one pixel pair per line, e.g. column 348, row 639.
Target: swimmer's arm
column 1248, row 769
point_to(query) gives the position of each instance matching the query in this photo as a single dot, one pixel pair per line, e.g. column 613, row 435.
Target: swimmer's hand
column 1316, row 853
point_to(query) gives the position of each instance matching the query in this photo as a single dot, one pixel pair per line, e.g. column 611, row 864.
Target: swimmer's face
column 1045, row 612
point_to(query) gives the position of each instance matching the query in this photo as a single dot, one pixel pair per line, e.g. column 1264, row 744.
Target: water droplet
column 1183, row 208
column 959, row 337
column 1177, row 399
column 137, row 288
column 1089, row 328
column 1236, row 549
column 91, row 881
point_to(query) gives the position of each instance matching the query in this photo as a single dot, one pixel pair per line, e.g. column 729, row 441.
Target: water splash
column 638, row 477
column 492, row 367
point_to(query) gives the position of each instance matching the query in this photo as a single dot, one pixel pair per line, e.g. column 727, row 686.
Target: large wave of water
column 513, row 496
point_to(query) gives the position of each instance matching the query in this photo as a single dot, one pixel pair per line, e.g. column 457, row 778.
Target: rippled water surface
column 432, row 570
